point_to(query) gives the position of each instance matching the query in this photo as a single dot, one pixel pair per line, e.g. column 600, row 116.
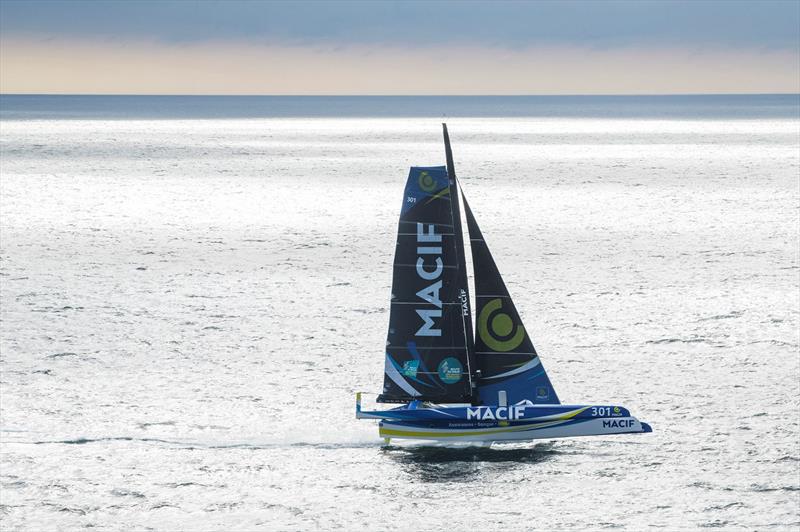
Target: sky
column 393, row 47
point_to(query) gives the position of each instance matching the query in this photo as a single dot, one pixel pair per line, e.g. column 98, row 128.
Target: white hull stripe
column 530, row 365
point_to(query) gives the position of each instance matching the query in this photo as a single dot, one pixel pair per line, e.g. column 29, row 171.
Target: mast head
column 451, row 171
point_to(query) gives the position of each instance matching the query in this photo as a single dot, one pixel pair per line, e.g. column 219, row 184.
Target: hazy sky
column 252, row 47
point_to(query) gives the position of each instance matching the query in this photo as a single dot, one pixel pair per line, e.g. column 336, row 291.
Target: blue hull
column 502, row 423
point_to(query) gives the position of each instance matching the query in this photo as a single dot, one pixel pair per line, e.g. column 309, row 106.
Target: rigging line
column 505, row 353
column 415, row 234
column 414, row 223
column 414, row 265
column 427, row 372
column 417, row 303
column 448, row 348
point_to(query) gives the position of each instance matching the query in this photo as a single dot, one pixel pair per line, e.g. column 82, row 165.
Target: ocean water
column 188, row 304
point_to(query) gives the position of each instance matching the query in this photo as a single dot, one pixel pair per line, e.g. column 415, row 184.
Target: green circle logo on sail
column 497, row 329
column 450, row 370
column 426, row 182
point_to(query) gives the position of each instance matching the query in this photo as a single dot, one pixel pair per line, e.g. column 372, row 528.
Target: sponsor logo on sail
column 464, row 302
column 429, row 268
column 426, row 182
column 497, row 329
column 450, row 370
column 542, row 392
column 410, row 368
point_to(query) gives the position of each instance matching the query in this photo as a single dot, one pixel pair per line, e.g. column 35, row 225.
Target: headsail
column 504, row 351
column 426, row 348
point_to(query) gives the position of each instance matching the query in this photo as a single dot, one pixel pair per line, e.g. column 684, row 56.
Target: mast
column 461, row 278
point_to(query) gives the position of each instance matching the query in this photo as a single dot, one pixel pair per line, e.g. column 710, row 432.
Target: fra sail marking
column 454, row 384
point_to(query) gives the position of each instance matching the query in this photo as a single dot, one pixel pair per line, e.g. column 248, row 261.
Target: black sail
column 426, row 348
column 505, row 354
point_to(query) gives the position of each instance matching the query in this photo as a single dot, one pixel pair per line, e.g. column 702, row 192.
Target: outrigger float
column 455, row 385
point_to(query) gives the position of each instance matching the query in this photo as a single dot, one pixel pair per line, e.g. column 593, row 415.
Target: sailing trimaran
column 457, row 385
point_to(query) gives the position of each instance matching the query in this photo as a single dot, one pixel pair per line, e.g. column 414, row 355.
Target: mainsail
column 427, row 353
column 506, row 357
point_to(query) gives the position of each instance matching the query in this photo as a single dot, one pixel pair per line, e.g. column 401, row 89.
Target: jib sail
column 504, row 351
column 427, row 349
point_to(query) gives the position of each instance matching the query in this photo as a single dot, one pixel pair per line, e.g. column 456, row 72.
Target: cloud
column 512, row 24
column 398, row 47
column 65, row 65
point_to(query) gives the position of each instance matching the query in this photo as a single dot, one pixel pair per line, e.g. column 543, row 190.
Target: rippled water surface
column 189, row 306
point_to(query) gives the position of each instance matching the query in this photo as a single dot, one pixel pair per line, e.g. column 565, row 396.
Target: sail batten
column 508, row 353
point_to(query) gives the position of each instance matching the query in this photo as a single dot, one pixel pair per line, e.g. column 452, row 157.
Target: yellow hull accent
column 570, row 415
column 427, row 434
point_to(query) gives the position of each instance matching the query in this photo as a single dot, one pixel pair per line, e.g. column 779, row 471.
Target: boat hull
column 487, row 423
column 511, row 431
